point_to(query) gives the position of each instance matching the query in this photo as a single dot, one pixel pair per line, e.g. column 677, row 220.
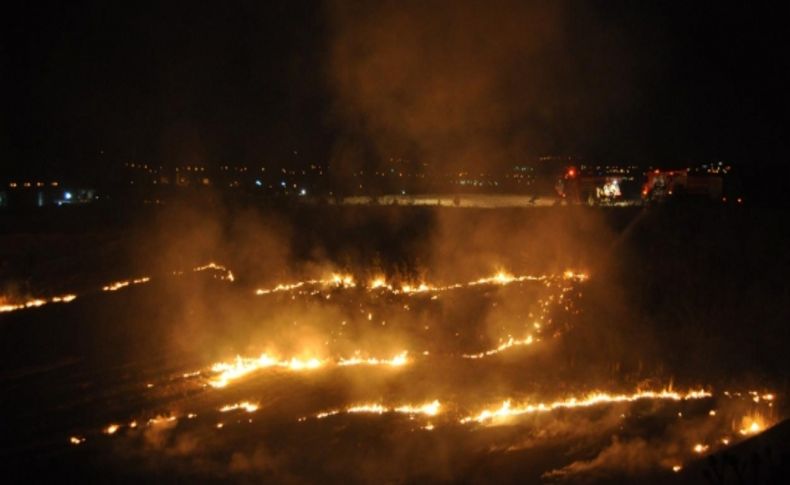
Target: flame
column 427, row 409
column 335, row 279
column 700, row 448
column 227, row 372
column 571, row 275
column 326, row 414
column 367, row 408
column 111, row 429
column 124, row 283
column 34, row 303
column 116, row 286
column 511, row 342
column 756, row 397
column 752, row 424
column 240, row 368
column 76, row 440
column 500, row 278
column 298, row 364
column 343, row 280
column 430, row 409
column 379, row 282
column 507, row 410
column 158, row 420
column 245, row 405
column 421, row 288
column 228, row 276
column 231, row 371
column 396, row 361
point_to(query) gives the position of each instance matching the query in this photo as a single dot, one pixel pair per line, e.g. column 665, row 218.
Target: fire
column 367, row 408
column 343, row 280
column 430, row 409
column 34, row 303
column 427, row 409
column 379, row 282
column 245, row 405
column 281, row 287
column 753, row 424
column 335, row 279
column 326, row 414
column 500, row 278
column 571, row 275
column 111, row 429
column 231, row 371
column 240, row 368
column 700, row 448
column 757, row 397
column 124, row 283
column 228, row 276
column 227, row 372
column 397, row 361
column 116, row 286
column 159, row 420
column 507, row 410
column 76, row 440
column 511, row 342
column 298, row 364
column 421, row 288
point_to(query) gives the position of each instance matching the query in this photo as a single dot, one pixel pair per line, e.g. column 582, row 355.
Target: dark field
column 692, row 297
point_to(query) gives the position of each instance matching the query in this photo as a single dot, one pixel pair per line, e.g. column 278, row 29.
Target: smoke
column 430, row 80
column 630, row 458
column 260, row 460
column 468, row 85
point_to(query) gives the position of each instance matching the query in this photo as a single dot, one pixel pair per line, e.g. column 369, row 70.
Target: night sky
column 86, row 85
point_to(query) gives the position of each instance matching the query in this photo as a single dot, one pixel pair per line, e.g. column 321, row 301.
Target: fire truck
column 574, row 187
column 662, row 184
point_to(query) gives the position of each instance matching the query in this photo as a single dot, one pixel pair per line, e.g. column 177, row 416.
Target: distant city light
column 282, row 183
column 258, row 182
column 67, row 195
column 303, row 192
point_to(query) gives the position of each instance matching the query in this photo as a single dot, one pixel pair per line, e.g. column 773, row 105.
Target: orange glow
column 507, row 410
column 244, row 405
column 427, row 409
column 752, row 424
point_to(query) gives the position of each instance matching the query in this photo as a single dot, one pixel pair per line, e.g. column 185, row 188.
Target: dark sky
column 255, row 81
